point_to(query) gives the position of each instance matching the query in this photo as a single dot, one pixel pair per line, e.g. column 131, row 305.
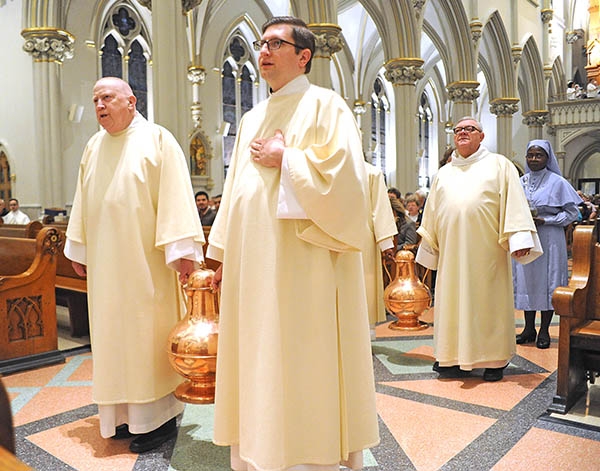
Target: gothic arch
column 557, row 85
column 105, row 7
column 532, row 87
column 396, row 19
column 495, row 53
column 575, row 170
column 448, row 27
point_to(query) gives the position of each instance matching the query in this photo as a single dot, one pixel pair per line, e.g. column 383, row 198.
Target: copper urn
column 406, row 297
column 192, row 344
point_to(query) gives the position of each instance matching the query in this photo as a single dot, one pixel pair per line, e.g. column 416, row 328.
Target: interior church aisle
column 426, row 423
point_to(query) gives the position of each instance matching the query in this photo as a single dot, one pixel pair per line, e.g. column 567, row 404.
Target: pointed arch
column 447, row 25
column 557, row 85
column 495, row 59
column 532, row 89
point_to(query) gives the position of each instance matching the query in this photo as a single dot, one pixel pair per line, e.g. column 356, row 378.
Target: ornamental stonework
column 188, row 5
column 572, row 36
column 196, row 75
column 404, row 71
column 547, row 15
column 504, row 108
column 536, row 118
column 50, row 45
column 463, row 93
column 476, row 30
column 328, row 40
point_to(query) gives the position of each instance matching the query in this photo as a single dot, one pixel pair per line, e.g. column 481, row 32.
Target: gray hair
column 471, row 118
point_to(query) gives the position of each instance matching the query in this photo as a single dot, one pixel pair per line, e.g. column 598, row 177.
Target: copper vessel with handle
column 406, row 297
column 192, row 344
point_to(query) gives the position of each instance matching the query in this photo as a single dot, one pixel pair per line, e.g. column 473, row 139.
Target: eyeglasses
column 272, row 44
column 469, row 129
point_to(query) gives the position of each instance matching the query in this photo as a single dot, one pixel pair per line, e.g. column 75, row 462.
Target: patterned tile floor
column 426, row 423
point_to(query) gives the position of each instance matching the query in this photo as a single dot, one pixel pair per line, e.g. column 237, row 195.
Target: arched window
column 125, row 52
column 238, row 79
column 425, row 119
column 380, row 107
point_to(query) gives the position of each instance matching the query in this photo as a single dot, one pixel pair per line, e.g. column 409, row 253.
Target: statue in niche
column 198, row 160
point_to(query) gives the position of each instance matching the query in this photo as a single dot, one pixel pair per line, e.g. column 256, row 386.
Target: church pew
column 29, row 230
column 71, row 289
column 28, row 331
column 578, row 305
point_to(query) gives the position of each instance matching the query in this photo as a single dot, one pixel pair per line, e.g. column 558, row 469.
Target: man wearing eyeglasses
column 294, row 376
column 476, row 217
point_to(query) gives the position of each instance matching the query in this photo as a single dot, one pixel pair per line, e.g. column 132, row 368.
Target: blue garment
column 556, row 202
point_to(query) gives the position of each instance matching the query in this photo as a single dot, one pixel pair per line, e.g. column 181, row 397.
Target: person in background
column 295, row 386
column 447, row 156
column 553, row 202
column 588, row 210
column 207, row 215
column 412, row 207
column 15, row 215
column 475, row 217
column 407, row 229
column 216, row 200
column 3, row 210
column 592, row 88
column 133, row 226
column 571, row 90
column 394, row 193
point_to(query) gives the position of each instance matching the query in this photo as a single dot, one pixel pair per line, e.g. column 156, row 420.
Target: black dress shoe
column 493, row 374
column 543, row 342
column 449, row 371
column 121, row 432
column 443, row 369
column 526, row 337
column 148, row 441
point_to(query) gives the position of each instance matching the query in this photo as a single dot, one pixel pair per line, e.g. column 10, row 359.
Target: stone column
column 48, row 47
column 403, row 73
column 169, row 66
column 328, row 42
column 462, row 94
column 535, row 121
column 359, row 108
column 504, row 108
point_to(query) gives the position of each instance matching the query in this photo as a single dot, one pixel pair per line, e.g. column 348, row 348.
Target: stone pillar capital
column 464, row 91
column 504, row 106
column 196, row 74
column 359, row 107
column 547, row 14
column 404, row 70
column 476, row 29
column 327, row 39
column 188, row 5
column 536, row 117
column 48, row 44
column 572, row 36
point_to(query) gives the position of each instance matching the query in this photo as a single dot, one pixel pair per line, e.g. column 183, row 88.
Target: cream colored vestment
column 474, row 207
column 133, row 198
column 383, row 227
column 294, row 375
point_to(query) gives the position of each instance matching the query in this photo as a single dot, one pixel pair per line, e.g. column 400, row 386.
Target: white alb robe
column 383, row 229
column 476, row 215
column 16, row 217
column 294, row 369
column 133, row 214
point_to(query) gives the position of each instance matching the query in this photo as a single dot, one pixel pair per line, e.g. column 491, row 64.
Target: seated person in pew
column 15, row 216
